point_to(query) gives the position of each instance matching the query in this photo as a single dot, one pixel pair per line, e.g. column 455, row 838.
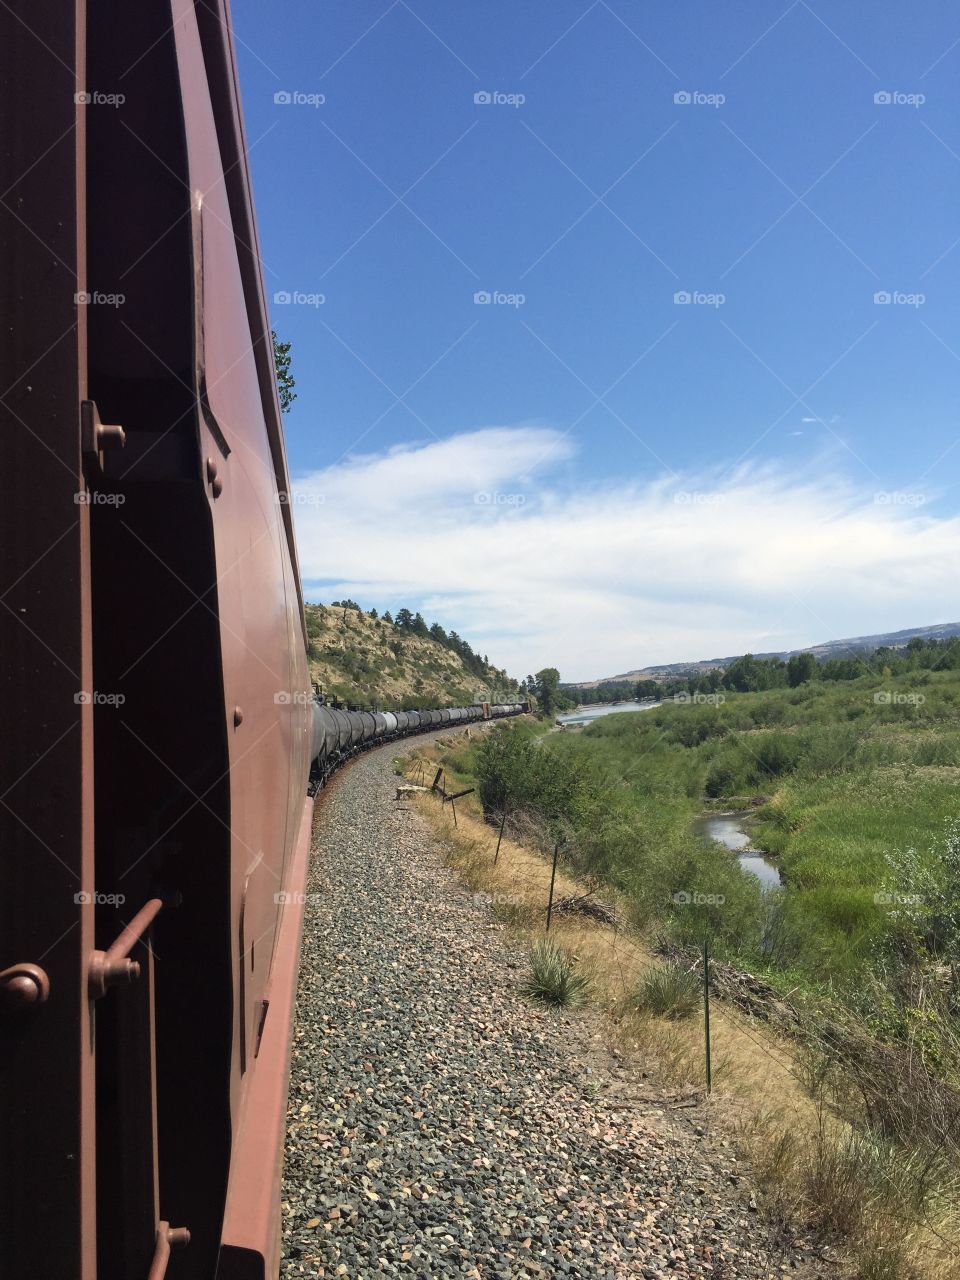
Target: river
column 725, row 828
column 587, row 714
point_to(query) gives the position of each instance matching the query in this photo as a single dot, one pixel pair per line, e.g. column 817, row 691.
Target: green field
column 851, row 786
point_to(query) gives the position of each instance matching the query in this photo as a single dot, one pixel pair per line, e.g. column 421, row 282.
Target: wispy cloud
column 492, row 533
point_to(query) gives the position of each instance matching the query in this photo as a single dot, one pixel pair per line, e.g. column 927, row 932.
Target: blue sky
column 606, row 475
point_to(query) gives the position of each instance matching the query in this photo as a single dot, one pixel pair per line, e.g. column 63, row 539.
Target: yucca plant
column 669, row 991
column 553, row 977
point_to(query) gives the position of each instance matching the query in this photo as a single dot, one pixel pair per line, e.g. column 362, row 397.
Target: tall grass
column 894, row 1217
column 669, row 991
column 554, row 978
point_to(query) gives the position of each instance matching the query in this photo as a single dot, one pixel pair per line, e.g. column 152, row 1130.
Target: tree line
column 751, row 674
column 413, row 623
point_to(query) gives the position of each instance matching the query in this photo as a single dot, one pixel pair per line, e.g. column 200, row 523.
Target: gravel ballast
column 441, row 1125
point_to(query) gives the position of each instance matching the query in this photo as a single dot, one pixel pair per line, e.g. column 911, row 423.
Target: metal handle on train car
column 113, row 967
column 167, row 1238
column 97, row 436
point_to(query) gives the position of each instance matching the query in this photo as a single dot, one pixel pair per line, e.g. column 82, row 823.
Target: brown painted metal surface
column 144, row 460
column 251, row 1227
column 46, row 788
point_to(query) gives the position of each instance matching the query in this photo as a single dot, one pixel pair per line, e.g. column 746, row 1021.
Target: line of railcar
column 338, row 734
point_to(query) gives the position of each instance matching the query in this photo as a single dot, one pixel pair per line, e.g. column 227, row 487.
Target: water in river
column 586, row 715
column 725, row 828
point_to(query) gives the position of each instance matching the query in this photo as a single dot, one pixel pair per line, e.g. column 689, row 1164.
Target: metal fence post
column 553, row 876
column 503, row 819
column 706, row 1010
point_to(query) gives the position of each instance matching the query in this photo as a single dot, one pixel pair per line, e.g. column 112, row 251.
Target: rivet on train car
column 23, row 986
column 237, row 717
column 211, row 471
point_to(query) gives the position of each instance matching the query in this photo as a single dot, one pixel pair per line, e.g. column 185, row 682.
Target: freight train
column 337, row 733
column 158, row 725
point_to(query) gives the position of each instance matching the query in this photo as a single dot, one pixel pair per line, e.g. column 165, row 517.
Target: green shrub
column 774, row 754
column 669, row 991
column 554, row 978
column 827, row 748
column 726, row 777
column 515, row 772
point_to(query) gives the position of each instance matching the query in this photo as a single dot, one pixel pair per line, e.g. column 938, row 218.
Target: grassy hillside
column 368, row 662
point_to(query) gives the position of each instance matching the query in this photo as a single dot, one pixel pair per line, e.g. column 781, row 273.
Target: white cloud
column 490, row 533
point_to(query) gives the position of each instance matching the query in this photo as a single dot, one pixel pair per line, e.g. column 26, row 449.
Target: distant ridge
column 829, row 649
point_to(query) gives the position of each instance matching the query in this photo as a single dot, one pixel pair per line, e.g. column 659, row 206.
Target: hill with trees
column 366, row 660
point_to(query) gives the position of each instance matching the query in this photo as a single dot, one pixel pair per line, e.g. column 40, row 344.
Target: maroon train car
column 155, row 710
column 156, row 722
